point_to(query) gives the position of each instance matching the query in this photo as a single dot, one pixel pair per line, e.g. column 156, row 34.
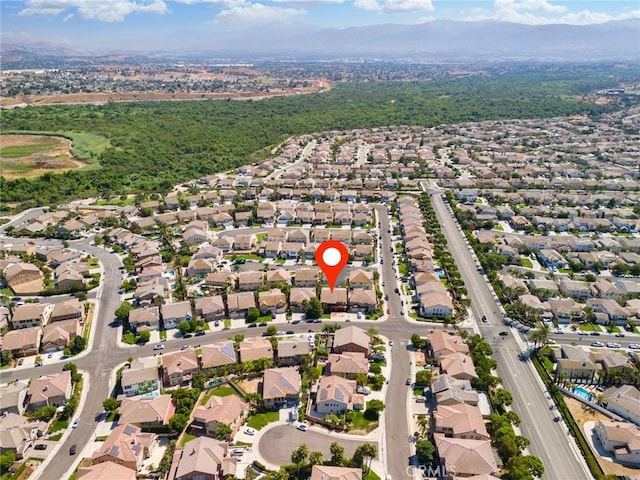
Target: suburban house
column 239, row 304
column 127, row 445
column 31, row 315
column 214, row 356
column 326, row 472
column 24, row 278
column 12, row 398
column 452, row 391
column 147, row 318
column 360, row 278
column 458, row 365
column 291, row 351
column 306, row 277
column 21, row 343
column 335, row 301
column 210, row 308
column 278, row 275
column 57, row 336
column 625, row 401
column 436, row 304
column 351, row 339
column 362, row 300
column 174, row 313
column 141, row 377
column 299, row 298
column 179, row 367
column 272, row 301
column 441, row 343
column 337, row 395
column 255, row 348
column 17, row 434
column 203, row 459
column 280, row 387
column 49, row 390
column 103, row 470
column 250, row 281
column 71, row 309
column 347, row 364
column 230, row 410
column 466, row 457
column 620, row 439
column 244, row 242
column 460, row 421
column 146, row 411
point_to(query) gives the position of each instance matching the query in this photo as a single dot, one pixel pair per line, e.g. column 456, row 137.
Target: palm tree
column 423, row 425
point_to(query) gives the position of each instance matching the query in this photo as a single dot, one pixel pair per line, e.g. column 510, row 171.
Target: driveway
column 277, row 443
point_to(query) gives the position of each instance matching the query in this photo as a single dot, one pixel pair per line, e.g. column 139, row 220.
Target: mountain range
column 436, row 40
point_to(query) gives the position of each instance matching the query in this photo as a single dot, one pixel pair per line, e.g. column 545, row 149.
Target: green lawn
column 221, row 391
column 525, row 262
column 250, row 256
column 359, row 422
column 498, row 227
column 56, row 437
column 588, row 327
column 6, row 291
column 260, row 420
column 163, row 334
column 58, row 425
column 371, row 476
column 187, row 437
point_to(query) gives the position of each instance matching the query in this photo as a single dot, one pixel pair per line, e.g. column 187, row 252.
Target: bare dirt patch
column 582, row 414
column 250, row 385
column 29, row 156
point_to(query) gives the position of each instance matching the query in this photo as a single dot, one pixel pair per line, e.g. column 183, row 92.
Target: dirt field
column 583, row 414
column 99, row 98
column 250, row 386
column 28, row 156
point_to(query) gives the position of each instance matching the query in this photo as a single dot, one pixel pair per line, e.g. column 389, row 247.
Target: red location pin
column 332, row 256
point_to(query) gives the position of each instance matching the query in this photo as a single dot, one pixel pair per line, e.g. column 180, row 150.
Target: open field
column 28, row 156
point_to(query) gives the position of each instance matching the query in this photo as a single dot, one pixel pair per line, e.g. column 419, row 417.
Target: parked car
column 504, row 333
column 484, row 319
column 249, row 431
column 75, row 423
column 408, row 381
column 613, row 345
column 158, row 346
column 595, row 334
column 634, row 346
column 199, row 333
column 620, row 334
column 597, row 344
column 40, row 446
column 184, row 347
column 302, row 427
column 72, row 449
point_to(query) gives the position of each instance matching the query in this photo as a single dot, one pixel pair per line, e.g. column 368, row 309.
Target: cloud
column 102, row 10
column 309, row 2
column 256, row 14
column 542, row 12
column 394, row 6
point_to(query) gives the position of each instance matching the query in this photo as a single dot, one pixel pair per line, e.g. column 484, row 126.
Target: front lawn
column 589, row 327
column 221, row 391
column 526, row 263
column 58, row 425
column 358, row 422
column 260, row 420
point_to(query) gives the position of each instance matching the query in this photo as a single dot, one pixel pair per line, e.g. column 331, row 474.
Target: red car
column 388, row 310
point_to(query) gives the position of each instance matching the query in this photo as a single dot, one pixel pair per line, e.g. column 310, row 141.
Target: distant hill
column 437, row 40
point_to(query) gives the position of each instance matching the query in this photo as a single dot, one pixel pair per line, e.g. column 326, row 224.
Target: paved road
column 277, row 443
column 549, row 440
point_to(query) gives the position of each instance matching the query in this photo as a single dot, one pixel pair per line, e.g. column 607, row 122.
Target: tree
column 418, row 341
column 184, row 326
column 423, row 425
column 272, row 330
column 364, row 455
column 6, row 460
column 503, row 397
column 78, row 344
column 178, row 422
column 299, row 455
column 423, row 378
column 252, row 315
column 223, row 431
column 315, row 458
column 72, row 367
column 314, row 310
column 110, row 404
column 337, row 454
column 122, row 312
column 424, row 450
column 144, row 336
column 525, row 467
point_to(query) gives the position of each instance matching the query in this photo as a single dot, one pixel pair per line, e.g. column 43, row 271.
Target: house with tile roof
column 203, row 459
column 351, row 339
column 141, row 377
column 280, row 387
column 147, row 411
column 103, row 470
column 466, row 457
column 230, row 410
column 347, row 364
column 214, row 356
column 336, row 395
column 621, row 439
column 49, row 390
column 326, row 472
column 127, row 445
column 255, row 348
column 179, row 367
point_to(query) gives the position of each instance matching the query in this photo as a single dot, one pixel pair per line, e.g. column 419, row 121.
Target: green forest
column 149, row 147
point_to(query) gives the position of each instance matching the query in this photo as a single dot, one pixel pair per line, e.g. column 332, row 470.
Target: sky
column 94, row 22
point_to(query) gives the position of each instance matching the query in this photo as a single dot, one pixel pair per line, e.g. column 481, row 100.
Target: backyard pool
column 584, row 393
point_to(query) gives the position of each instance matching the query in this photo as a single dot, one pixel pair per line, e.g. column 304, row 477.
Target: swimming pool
column 584, row 393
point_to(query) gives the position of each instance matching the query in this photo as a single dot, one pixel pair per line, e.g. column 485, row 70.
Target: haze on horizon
column 109, row 25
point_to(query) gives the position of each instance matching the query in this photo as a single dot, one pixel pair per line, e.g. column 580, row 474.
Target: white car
column 634, row 346
column 302, row 427
column 551, row 341
column 613, row 345
column 158, row 346
column 249, row 431
column 75, row 423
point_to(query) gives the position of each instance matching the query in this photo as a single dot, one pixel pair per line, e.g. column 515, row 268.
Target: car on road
column 613, row 345
column 557, row 419
column 408, row 381
column 597, row 344
column 38, row 364
column 72, row 449
column 581, row 332
column 620, row 335
column 302, row 427
column 199, row 333
column 187, row 335
column 50, row 355
column 262, row 324
column 391, row 343
column 158, row 346
column 634, row 346
column 75, row 423
column 397, row 290
column 550, row 341
column 40, row 446
column 249, row 431
column 290, row 332
column 595, row 334
column 557, row 331
column 504, row 333
column 184, row 347
column 484, row 319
